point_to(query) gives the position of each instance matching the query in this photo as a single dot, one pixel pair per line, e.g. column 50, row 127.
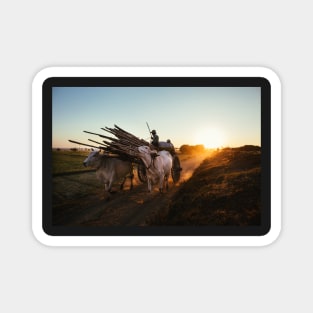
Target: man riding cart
column 162, row 145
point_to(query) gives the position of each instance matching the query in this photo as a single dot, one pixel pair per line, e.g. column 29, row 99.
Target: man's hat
column 153, row 131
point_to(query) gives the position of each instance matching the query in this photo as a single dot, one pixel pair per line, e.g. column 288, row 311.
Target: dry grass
column 224, row 190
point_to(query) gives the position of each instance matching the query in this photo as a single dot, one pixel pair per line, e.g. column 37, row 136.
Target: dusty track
column 80, row 199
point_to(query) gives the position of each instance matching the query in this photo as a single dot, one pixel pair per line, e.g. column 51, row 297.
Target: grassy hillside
column 224, row 190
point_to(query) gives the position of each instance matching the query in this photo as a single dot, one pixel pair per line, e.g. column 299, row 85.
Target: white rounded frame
column 46, row 73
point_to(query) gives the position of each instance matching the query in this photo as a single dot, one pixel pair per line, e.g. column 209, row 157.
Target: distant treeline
column 245, row 148
column 72, row 149
column 187, row 149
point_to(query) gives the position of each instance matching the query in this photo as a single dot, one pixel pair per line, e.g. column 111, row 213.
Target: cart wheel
column 141, row 171
column 176, row 169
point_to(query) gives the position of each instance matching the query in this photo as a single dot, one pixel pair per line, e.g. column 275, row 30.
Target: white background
column 38, row 34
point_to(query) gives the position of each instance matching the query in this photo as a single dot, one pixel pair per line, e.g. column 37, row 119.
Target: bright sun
column 210, row 138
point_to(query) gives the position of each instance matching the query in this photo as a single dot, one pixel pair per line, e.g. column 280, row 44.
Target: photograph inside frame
column 156, row 157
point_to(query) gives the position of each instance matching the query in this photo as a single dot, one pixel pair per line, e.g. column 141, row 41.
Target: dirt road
column 80, row 199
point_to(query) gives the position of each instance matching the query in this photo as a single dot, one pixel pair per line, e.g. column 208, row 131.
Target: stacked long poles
column 123, row 145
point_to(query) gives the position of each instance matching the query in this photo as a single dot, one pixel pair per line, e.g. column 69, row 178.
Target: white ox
column 158, row 166
column 109, row 170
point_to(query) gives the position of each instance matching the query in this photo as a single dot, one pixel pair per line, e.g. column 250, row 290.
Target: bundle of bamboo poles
column 123, row 145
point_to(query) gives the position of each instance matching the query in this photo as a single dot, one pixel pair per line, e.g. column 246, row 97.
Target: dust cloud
column 189, row 164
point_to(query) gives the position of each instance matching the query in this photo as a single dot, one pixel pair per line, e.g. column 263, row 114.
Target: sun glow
column 210, row 138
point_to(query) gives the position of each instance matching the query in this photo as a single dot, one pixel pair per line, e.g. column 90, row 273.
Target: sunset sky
column 212, row 116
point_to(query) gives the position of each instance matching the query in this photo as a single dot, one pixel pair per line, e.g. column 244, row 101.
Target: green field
column 67, row 161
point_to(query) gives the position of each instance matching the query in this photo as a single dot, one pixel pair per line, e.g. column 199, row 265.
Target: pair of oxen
column 109, row 170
